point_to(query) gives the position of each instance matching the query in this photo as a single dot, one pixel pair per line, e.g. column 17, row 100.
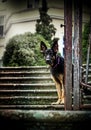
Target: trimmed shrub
column 24, row 50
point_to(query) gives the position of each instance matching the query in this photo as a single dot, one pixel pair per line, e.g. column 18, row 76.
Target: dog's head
column 49, row 53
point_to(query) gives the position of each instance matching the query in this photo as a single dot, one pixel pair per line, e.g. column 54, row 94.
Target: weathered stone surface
column 46, row 115
column 44, row 120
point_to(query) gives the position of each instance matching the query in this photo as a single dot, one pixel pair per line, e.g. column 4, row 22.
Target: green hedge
column 24, row 50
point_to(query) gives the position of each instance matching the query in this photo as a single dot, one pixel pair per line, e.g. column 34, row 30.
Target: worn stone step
column 87, row 96
column 89, row 76
column 86, row 106
column 89, row 82
column 84, row 65
column 27, row 100
column 24, row 69
column 86, row 101
column 25, row 74
column 33, row 92
column 18, row 86
column 25, row 79
column 89, row 72
column 33, row 107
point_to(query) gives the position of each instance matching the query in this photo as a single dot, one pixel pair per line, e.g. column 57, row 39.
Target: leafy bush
column 24, row 50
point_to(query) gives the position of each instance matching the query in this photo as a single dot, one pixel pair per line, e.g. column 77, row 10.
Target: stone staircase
column 26, row 94
column 27, row 88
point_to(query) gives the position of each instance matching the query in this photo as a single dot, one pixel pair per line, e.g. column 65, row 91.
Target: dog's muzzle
column 48, row 61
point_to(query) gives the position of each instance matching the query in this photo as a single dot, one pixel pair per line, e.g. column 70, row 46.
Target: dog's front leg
column 59, row 92
column 62, row 87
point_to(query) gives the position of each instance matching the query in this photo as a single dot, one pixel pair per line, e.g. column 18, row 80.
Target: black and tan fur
column 56, row 64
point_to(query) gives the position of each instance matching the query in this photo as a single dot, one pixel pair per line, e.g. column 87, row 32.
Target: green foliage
column 24, row 50
column 44, row 25
column 85, row 41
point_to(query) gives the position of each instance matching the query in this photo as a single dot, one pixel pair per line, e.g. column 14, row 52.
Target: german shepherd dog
column 56, row 64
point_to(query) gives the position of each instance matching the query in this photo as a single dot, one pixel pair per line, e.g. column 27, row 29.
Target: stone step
column 87, row 101
column 86, row 96
column 33, row 92
column 33, row 107
column 18, row 86
column 89, row 75
column 25, row 74
column 88, row 79
column 27, row 100
column 24, row 69
column 84, row 71
column 89, row 82
column 84, row 65
column 25, row 80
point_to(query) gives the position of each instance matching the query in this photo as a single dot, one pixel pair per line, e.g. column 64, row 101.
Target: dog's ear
column 55, row 46
column 43, row 47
